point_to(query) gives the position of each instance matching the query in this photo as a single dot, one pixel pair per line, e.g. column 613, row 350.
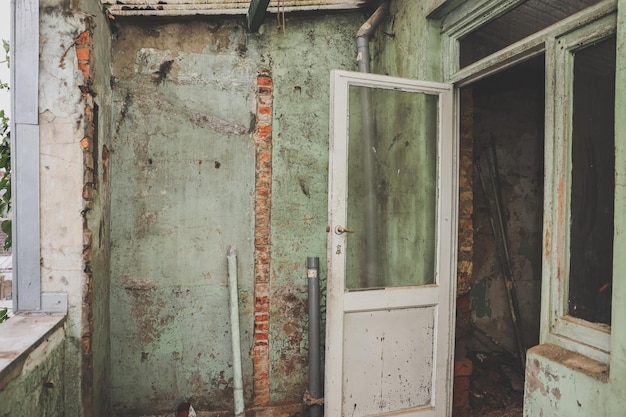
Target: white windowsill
column 21, row 335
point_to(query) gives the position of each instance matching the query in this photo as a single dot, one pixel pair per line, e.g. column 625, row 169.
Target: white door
column 391, row 247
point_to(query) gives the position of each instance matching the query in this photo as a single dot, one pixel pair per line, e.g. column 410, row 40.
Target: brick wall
column 463, row 366
column 262, row 137
column 89, row 144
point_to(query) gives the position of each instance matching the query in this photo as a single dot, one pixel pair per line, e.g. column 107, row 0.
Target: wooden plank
column 216, row 7
column 256, row 14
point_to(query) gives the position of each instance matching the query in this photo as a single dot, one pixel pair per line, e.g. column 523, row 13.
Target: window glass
column 392, row 188
column 524, row 20
column 592, row 183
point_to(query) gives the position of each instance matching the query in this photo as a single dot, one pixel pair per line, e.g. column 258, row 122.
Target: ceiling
column 525, row 19
column 219, row 7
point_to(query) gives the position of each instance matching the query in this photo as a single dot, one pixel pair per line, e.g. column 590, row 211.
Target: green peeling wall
column 145, row 268
column 182, row 181
column 182, row 192
column 39, row 389
column 562, row 383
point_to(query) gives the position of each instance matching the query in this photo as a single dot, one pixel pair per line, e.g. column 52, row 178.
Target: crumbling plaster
column 62, row 127
column 182, row 176
column 37, row 387
column 221, row 60
column 185, row 91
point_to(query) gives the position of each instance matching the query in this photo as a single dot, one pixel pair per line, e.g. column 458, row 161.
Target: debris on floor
column 497, row 388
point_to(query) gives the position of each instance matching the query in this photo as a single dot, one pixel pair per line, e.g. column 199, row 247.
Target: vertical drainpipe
column 231, row 257
column 371, row 205
column 315, row 368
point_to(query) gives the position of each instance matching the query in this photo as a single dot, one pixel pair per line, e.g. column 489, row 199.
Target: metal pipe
column 315, row 374
column 500, row 241
column 507, row 270
column 231, row 257
column 369, row 148
column 364, row 33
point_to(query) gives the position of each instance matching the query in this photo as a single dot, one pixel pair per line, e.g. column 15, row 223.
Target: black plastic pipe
column 315, row 374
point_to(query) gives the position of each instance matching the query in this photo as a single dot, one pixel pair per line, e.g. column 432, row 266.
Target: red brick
column 261, row 316
column 461, row 383
column 463, row 303
column 82, row 54
column 87, row 192
column 264, row 81
column 83, row 39
column 463, row 368
column 264, row 129
column 460, row 399
column 84, row 68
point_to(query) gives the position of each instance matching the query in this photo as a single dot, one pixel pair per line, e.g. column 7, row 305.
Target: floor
column 497, row 388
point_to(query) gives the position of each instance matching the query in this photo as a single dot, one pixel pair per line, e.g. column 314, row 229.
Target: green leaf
column 6, row 228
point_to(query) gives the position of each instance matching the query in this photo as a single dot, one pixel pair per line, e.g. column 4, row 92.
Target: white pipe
column 231, row 256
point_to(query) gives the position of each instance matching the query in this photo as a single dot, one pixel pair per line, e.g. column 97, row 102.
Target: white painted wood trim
column 527, row 48
column 440, row 295
column 579, row 29
column 586, row 338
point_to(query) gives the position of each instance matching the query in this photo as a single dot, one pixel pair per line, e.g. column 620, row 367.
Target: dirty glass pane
column 593, row 183
column 392, row 185
column 524, row 20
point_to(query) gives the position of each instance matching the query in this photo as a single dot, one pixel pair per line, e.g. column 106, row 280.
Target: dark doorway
column 500, row 233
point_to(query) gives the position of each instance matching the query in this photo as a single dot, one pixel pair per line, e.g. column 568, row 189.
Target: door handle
column 341, row 230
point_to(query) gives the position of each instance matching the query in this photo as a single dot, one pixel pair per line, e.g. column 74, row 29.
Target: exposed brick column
column 262, row 239
column 462, row 365
column 466, row 194
column 460, row 398
column 89, row 144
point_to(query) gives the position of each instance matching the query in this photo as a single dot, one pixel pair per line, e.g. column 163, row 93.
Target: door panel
column 397, row 336
column 392, row 214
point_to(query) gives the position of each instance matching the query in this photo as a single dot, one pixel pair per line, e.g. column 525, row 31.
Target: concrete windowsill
column 572, row 360
column 19, row 336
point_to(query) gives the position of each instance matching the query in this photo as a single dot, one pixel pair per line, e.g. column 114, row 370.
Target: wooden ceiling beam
column 256, row 14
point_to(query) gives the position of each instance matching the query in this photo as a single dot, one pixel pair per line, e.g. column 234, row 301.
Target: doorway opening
column 500, row 237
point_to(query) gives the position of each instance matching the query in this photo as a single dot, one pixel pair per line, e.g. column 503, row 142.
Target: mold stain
column 161, row 74
column 147, row 310
column 292, row 358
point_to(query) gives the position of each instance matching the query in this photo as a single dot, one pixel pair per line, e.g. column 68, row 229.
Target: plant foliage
column 5, row 161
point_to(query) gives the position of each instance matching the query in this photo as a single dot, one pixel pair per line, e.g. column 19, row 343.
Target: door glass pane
column 529, row 17
column 392, row 188
column 593, row 183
